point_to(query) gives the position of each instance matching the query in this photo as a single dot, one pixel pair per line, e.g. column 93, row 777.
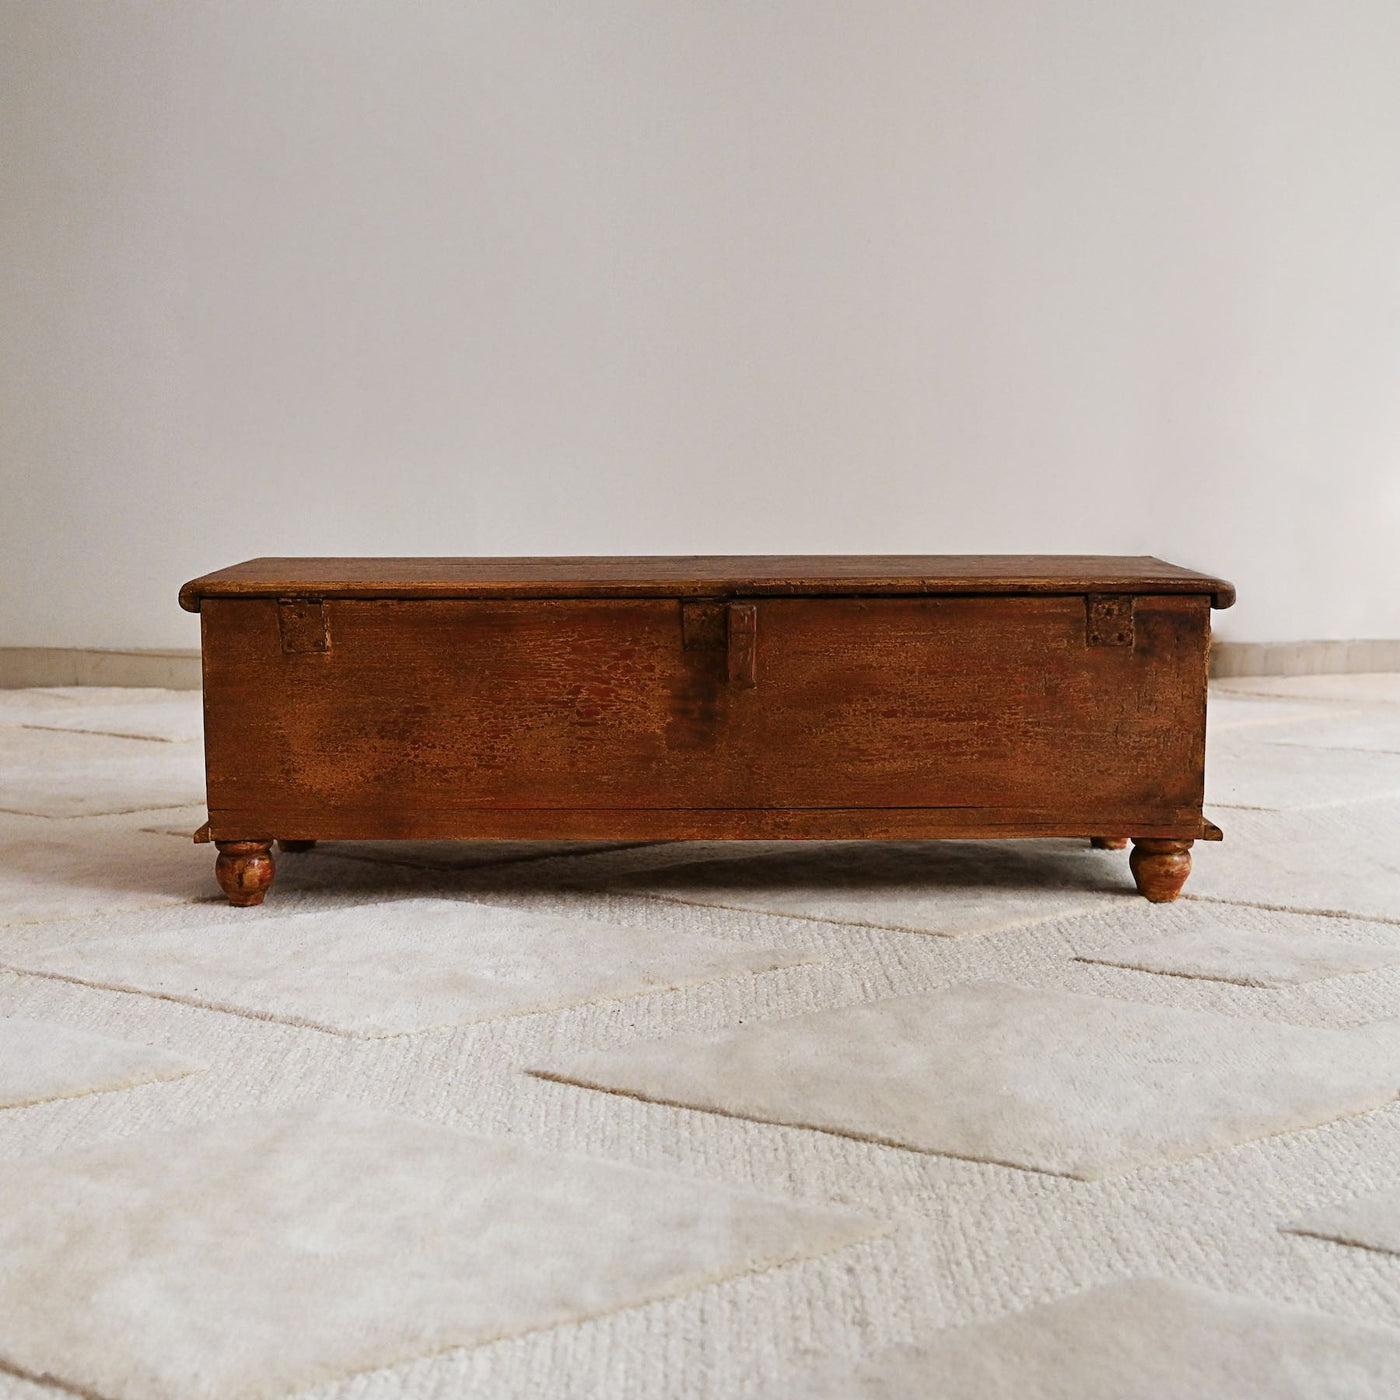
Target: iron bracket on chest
column 1109, row 620
column 709, row 624
column 303, row 625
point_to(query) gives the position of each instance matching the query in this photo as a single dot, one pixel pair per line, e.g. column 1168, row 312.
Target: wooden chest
column 712, row 697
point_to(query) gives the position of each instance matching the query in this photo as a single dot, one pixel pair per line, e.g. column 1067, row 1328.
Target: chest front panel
column 360, row 707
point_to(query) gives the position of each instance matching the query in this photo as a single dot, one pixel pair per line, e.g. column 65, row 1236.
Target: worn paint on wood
column 862, row 715
column 703, row 575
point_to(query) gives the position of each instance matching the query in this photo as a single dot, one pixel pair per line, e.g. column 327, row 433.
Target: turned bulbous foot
column 1160, row 867
column 292, row 847
column 1108, row 843
column 244, row 870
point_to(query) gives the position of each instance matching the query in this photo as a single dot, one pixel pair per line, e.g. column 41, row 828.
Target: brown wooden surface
column 594, row 718
column 693, row 576
column 1160, row 867
column 663, row 824
column 244, row 870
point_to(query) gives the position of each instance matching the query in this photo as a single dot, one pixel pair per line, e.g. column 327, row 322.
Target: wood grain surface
column 703, row 575
column 460, row 717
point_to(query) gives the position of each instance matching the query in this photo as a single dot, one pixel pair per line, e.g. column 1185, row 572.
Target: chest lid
column 704, row 576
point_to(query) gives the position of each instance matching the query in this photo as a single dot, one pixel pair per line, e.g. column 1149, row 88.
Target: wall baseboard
column 179, row 669
column 49, row 666
column 1303, row 658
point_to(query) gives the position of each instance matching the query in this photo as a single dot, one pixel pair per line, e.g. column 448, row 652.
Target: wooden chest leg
column 244, row 870
column 1160, row 867
column 1108, row 843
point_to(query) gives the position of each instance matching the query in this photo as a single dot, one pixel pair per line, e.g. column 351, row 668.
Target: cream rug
column 1226, row 713
column 445, row 856
column 40, row 1061
column 974, row 1242
column 1371, row 1222
column 1250, row 957
column 1149, row 1339
column 1249, row 771
column 952, row 888
column 168, row 716
column 44, row 773
column 1368, row 730
column 458, row 855
column 402, row 966
column 1341, row 859
column 20, row 706
column 50, row 705
column 1377, row 688
column 1083, row 1086
column 262, row 1254
column 64, row 869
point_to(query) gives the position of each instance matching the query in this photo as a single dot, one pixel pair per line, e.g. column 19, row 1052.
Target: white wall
column 507, row 276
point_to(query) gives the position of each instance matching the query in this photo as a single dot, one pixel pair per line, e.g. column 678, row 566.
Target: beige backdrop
column 328, row 276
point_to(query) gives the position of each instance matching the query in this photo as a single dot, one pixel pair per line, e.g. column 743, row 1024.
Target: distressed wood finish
column 703, row 576
column 662, row 824
column 912, row 696
column 244, row 870
column 1160, row 867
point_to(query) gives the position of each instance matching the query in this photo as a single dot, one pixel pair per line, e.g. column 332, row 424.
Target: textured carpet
column 1372, row 1222
column 57, row 706
column 1340, row 859
column 399, row 966
column 45, row 773
column 953, row 888
column 1381, row 688
column 1235, row 712
column 1249, row 770
column 78, row 868
column 62, row 869
column 1146, row 1340
column 455, row 855
column 168, row 716
column 1084, row 1086
column 1253, row 958
column 433, row 855
column 974, row 1243
column 40, row 1060
column 1366, row 731
column 267, row 1252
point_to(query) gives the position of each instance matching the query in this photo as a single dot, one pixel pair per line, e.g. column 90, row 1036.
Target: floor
column 814, row 1195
